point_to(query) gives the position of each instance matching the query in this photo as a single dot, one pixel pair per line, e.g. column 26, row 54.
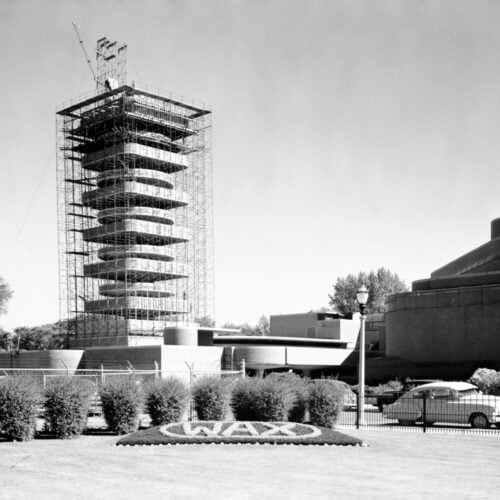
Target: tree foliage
column 41, row 337
column 262, row 327
column 380, row 283
column 29, row 338
column 5, row 295
column 206, row 321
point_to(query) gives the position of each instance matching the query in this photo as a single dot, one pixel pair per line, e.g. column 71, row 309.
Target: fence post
column 243, row 368
column 157, row 370
column 102, row 374
column 424, row 412
column 357, row 410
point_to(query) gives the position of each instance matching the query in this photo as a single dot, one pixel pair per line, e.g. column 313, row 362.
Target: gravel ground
column 394, row 464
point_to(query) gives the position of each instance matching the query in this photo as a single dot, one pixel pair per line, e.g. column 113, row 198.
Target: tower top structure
column 111, row 58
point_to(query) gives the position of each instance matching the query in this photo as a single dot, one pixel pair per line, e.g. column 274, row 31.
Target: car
column 388, row 397
column 446, row 402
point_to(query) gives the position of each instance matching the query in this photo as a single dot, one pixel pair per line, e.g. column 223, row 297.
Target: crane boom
column 82, row 45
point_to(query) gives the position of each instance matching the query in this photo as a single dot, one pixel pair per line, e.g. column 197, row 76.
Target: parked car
column 447, row 402
column 389, row 397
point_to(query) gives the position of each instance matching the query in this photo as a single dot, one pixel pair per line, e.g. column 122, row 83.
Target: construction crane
column 82, row 45
column 111, row 61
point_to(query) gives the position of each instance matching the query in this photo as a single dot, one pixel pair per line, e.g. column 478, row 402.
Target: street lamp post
column 362, row 298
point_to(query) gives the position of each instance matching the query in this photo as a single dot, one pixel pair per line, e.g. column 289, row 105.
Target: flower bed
column 207, row 432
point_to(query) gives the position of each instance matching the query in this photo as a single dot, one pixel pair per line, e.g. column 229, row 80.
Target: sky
column 347, row 135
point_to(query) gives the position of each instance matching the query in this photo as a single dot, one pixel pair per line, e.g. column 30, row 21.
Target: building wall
column 375, row 331
column 307, row 325
column 58, row 359
column 292, row 325
column 122, row 357
column 456, row 324
column 165, row 358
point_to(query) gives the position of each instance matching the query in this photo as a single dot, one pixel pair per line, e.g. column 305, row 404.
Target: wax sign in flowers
column 238, row 432
column 278, row 430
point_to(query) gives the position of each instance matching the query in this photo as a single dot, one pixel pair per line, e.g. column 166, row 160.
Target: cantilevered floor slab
column 156, row 289
column 115, row 214
column 131, row 193
column 151, row 252
column 142, row 175
column 137, row 306
column 136, row 232
column 136, row 270
column 133, row 155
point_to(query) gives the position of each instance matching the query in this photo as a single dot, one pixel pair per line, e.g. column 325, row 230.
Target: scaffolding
column 134, row 180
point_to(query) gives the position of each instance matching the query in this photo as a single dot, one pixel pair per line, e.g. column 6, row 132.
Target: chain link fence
column 100, row 377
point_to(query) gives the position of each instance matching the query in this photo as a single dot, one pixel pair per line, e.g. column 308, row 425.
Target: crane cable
column 82, row 45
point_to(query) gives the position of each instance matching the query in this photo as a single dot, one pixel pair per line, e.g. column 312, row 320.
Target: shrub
column 166, row 400
column 121, row 401
column 210, row 397
column 297, row 387
column 487, row 381
column 20, row 396
column 266, row 399
column 243, row 396
column 325, row 401
column 67, row 402
column 274, row 400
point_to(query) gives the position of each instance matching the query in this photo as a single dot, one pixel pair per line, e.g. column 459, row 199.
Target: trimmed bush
column 297, row 386
column 210, row 397
column 267, row 400
column 20, row 397
column 121, row 402
column 486, row 380
column 166, row 400
column 325, row 401
column 67, row 402
column 274, row 400
column 243, row 396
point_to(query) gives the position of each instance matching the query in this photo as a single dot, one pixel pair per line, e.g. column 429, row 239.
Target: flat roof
column 104, row 95
column 255, row 340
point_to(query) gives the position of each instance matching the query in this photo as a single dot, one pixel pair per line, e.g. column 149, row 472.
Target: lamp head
column 362, row 297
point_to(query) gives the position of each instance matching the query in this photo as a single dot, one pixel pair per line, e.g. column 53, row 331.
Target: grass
column 395, row 464
column 154, row 436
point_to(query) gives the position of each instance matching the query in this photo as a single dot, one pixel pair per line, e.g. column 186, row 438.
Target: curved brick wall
column 453, row 324
column 60, row 359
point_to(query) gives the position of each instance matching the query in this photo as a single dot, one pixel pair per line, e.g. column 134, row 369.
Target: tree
column 260, row 329
column 5, row 337
column 263, row 327
column 5, row 295
column 47, row 336
column 206, row 321
column 380, row 284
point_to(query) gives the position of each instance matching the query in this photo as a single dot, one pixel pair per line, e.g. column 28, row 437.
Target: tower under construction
column 134, row 210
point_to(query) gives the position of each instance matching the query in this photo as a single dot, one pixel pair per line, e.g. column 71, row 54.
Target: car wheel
column 406, row 422
column 479, row 421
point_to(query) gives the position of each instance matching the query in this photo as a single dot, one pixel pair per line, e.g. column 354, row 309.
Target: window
column 441, row 393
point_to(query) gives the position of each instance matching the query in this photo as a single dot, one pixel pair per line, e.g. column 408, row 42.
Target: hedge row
column 279, row 397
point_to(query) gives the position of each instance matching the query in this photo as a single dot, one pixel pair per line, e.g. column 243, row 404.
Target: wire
column 138, row 78
column 20, row 230
column 42, row 229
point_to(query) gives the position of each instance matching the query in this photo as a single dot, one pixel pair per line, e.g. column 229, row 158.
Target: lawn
column 395, row 464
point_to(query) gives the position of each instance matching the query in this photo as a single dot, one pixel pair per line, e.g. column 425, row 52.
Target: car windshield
column 467, row 393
